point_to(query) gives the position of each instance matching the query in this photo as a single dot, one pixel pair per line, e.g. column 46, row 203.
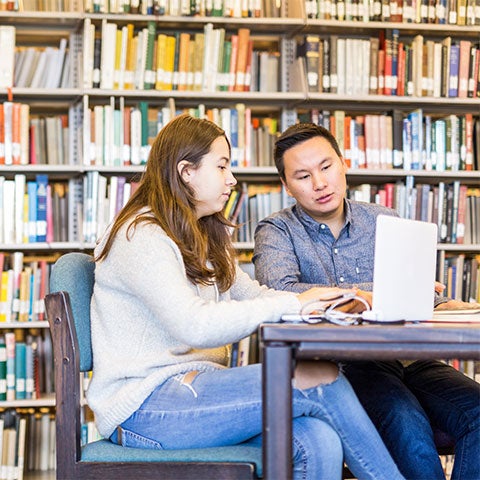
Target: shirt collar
column 312, row 225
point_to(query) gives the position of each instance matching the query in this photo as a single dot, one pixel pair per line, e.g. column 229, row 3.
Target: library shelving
column 78, row 110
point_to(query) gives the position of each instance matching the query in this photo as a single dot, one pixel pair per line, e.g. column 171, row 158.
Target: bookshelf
column 275, row 37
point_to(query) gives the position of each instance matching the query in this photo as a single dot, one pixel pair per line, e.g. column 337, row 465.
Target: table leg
column 277, row 411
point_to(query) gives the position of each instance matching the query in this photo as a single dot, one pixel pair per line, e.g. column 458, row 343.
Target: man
column 326, row 239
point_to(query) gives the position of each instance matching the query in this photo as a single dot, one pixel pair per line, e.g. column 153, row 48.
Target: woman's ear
column 184, row 170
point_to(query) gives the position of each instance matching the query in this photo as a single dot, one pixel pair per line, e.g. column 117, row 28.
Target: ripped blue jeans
column 224, row 407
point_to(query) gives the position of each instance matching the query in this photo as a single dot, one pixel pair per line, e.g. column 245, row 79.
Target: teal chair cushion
column 106, row 451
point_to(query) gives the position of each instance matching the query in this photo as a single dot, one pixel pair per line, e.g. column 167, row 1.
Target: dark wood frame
column 282, row 344
column 68, row 407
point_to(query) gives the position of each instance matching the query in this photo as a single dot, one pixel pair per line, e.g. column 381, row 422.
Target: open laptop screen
column 404, row 269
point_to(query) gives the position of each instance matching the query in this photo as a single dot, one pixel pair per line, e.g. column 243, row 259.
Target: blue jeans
column 224, row 407
column 408, row 403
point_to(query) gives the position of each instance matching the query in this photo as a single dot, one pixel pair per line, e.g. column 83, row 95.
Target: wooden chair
column 68, row 313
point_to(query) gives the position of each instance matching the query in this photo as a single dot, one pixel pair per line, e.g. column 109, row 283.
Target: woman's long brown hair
column 170, row 203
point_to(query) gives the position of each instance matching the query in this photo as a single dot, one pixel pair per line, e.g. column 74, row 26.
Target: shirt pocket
column 364, row 270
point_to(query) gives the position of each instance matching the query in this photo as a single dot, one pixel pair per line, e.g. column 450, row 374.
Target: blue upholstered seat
column 74, row 273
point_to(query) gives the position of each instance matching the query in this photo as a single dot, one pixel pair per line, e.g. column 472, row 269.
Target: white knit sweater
column 150, row 322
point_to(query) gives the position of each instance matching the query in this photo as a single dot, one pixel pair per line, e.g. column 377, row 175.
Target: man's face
column 316, row 177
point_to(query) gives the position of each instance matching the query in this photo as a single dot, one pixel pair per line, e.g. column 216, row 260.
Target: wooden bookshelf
column 290, row 101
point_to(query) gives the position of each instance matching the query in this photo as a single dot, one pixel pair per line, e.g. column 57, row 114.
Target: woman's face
column 212, row 181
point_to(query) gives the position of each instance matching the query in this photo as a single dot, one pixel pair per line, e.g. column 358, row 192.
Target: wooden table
column 283, row 343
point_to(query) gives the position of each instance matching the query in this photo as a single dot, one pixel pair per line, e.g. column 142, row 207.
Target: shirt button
column 335, row 250
column 322, row 226
column 342, row 279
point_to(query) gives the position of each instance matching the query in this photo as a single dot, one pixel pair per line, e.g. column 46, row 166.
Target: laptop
column 404, row 274
column 404, row 270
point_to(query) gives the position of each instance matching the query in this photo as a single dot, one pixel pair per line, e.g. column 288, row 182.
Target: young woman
column 169, row 300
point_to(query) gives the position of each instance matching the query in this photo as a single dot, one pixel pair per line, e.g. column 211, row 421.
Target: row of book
column 122, row 135
column 40, row 211
column 412, row 141
column 38, row 5
column 26, row 366
column 250, row 203
column 461, row 276
column 33, row 139
column 43, row 67
column 117, row 135
column 391, row 65
column 206, row 61
column 24, row 284
column 453, row 207
column 79, row 210
column 452, row 12
column 37, row 211
column 202, row 8
column 27, row 442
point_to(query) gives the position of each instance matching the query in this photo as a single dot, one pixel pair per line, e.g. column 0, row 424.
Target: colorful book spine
column 3, row 369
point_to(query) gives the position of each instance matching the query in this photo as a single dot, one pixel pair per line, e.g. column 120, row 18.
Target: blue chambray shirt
column 294, row 252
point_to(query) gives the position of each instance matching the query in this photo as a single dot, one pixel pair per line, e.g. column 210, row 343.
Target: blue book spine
column 20, row 371
column 454, row 64
column 234, row 136
column 32, row 211
column 29, row 376
column 41, row 230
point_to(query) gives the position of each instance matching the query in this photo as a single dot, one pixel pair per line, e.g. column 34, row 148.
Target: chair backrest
column 74, row 273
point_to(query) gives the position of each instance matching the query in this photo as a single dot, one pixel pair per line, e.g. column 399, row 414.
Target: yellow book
column 183, row 62
column 169, row 62
column 118, row 55
column 6, row 293
column 131, row 57
column 161, row 57
column 230, row 203
column 25, row 278
column 198, row 61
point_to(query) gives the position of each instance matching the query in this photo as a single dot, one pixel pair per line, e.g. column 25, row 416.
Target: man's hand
column 457, row 305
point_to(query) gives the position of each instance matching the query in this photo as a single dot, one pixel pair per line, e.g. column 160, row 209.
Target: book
column 10, row 348
column 149, row 76
column 309, row 49
column 20, row 371
column 464, row 67
column 3, row 357
column 454, row 70
column 107, row 60
column 41, row 213
column 242, row 58
column 7, row 47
